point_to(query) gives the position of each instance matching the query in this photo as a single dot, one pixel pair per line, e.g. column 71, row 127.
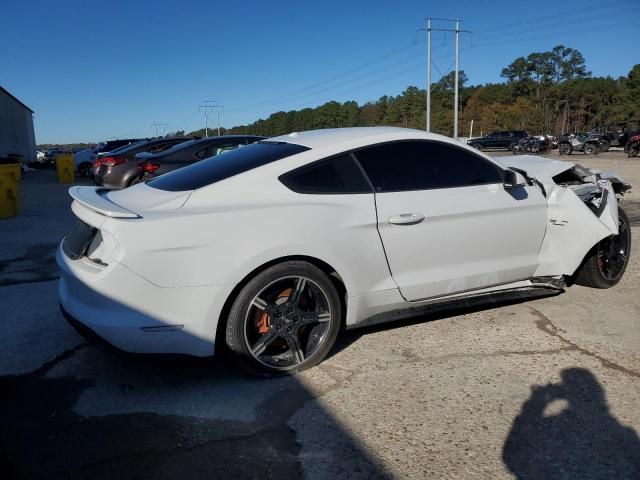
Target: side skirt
column 542, row 287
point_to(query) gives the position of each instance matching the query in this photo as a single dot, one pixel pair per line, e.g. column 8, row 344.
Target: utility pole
column 457, row 31
column 206, row 106
column 159, row 124
column 428, row 123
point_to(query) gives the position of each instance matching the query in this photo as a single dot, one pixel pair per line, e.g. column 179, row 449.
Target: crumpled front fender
column 573, row 229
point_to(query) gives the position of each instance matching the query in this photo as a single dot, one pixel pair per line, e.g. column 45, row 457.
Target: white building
column 16, row 128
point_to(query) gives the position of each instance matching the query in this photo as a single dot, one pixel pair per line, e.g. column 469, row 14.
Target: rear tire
column 291, row 304
column 565, row 149
column 590, row 149
column 606, row 262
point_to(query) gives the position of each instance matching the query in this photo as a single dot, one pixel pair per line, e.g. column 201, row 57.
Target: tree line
column 544, row 93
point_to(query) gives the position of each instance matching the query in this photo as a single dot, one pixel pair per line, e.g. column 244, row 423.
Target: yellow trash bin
column 9, row 182
column 64, row 168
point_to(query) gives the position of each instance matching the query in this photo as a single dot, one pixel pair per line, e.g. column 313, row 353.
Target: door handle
column 406, row 219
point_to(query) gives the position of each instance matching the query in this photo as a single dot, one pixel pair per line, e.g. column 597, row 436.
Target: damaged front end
column 582, row 211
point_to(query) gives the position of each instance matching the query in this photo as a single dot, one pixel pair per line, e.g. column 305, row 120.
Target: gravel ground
column 546, row 388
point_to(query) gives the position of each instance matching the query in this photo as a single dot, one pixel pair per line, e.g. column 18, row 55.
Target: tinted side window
column 211, row 170
column 336, row 175
column 425, row 165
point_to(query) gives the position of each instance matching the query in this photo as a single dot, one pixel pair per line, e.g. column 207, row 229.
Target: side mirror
column 513, row 180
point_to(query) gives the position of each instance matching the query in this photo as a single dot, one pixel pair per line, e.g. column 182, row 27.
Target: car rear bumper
column 117, row 306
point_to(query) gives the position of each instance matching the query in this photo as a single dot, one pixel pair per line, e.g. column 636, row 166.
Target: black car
column 506, row 139
column 118, row 169
column 153, row 164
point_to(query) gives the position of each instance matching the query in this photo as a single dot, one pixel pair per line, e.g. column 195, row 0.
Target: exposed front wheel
column 285, row 320
column 606, row 262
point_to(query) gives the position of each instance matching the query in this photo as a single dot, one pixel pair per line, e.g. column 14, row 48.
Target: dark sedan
column 119, row 169
column 153, row 164
column 504, row 139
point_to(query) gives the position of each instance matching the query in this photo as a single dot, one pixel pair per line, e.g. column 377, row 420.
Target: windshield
column 233, row 162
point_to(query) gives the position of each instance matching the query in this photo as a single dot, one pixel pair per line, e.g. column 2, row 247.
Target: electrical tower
column 206, row 106
column 428, row 28
column 159, row 124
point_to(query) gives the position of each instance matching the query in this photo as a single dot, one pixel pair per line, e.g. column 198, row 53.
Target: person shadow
column 565, row 431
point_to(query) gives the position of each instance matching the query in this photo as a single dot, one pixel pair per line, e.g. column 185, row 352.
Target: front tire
column 285, row 320
column 607, row 261
column 477, row 146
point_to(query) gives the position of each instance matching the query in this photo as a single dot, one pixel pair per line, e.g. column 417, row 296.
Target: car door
column 446, row 221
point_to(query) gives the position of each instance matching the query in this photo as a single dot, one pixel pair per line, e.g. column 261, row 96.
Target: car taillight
column 96, row 162
column 111, row 161
column 148, row 167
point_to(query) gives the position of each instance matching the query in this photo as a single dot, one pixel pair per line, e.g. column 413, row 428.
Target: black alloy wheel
column 284, row 320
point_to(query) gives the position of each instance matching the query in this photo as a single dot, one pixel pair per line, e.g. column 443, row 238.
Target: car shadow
column 96, row 414
column 566, row 431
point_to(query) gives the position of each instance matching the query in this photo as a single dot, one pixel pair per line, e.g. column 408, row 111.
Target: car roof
column 332, row 136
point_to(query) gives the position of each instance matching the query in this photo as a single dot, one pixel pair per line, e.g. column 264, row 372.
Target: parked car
column 83, row 160
column 533, row 144
column 153, row 164
column 579, row 142
column 614, row 134
column 118, row 169
column 272, row 248
column 40, row 156
column 504, row 139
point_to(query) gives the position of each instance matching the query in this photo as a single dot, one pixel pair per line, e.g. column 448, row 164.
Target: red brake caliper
column 262, row 318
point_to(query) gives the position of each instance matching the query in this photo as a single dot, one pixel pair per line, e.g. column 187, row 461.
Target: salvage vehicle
column 633, row 145
column 579, row 142
column 118, row 169
column 498, row 140
column 271, row 249
column 533, row 144
column 153, row 164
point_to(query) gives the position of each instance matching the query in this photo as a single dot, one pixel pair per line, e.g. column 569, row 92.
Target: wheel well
column 331, row 272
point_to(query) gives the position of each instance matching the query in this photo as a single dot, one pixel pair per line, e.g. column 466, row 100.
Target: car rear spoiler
column 95, row 199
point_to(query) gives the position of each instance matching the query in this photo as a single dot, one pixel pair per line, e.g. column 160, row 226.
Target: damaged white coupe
column 271, row 249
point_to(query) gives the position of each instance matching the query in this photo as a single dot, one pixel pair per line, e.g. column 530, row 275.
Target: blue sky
column 93, row 70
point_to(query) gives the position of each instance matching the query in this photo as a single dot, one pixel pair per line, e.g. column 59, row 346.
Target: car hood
column 541, row 168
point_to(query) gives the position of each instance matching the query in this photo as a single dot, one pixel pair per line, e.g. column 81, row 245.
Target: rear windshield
column 129, row 147
column 218, row 168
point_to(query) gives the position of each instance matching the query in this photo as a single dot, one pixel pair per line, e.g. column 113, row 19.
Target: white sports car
column 272, row 248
